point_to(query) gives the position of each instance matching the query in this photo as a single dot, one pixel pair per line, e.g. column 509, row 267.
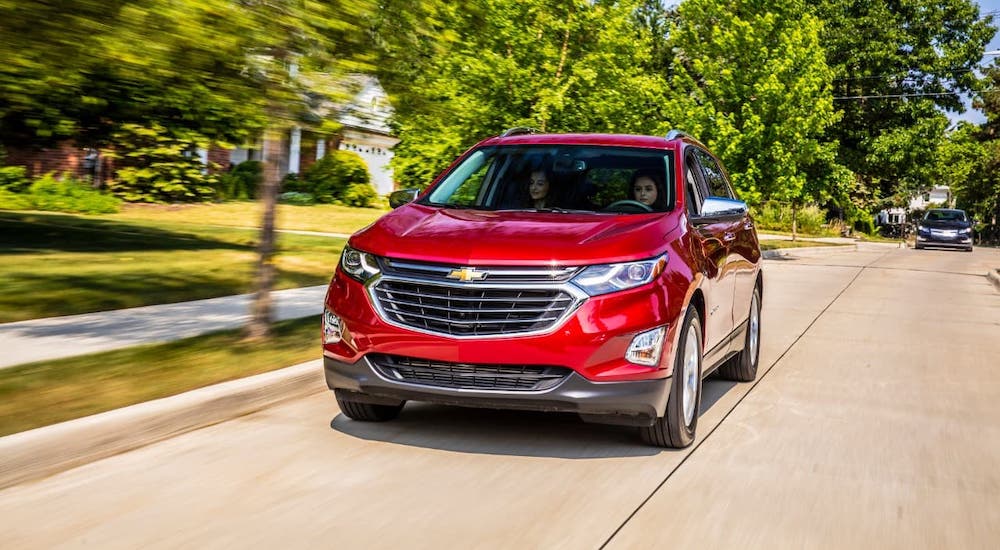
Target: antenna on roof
column 518, row 131
column 674, row 134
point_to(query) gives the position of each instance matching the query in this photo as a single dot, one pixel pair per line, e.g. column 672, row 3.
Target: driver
column 646, row 189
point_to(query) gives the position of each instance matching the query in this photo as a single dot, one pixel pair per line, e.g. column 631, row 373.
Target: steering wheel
column 628, row 206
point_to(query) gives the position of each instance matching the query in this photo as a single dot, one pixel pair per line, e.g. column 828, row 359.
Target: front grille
column 471, row 310
column 467, row 376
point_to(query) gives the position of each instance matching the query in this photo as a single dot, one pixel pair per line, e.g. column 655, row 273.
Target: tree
column 209, row 70
column 555, row 66
column 750, row 79
column 896, row 66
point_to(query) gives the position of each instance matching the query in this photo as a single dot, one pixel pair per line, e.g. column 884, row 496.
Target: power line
column 900, row 96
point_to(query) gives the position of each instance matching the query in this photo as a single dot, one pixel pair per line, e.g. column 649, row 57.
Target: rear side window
column 715, row 178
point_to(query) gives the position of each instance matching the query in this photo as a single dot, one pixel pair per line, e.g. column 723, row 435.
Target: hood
column 483, row 237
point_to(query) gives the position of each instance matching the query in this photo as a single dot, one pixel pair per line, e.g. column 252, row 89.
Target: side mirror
column 403, row 196
column 719, row 209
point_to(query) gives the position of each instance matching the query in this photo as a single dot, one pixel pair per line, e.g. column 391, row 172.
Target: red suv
column 605, row 275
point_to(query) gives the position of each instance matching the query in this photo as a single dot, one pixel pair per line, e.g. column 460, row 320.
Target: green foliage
column 297, row 198
column 14, row 178
column 362, row 195
column 242, row 181
column 160, row 165
column 750, row 80
column 459, row 73
column 777, row 216
column 59, row 195
column 924, row 49
column 330, row 177
column 79, row 68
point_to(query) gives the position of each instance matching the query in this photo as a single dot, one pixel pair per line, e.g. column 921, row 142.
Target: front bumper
column 958, row 241
column 634, row 403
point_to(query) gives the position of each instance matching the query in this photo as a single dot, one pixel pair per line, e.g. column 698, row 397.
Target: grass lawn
column 61, row 264
column 325, row 218
column 39, row 394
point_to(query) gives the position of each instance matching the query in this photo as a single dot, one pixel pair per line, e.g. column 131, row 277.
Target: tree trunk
column 260, row 310
column 795, row 217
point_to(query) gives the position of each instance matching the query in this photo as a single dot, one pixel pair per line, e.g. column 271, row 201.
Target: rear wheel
column 366, row 412
column 676, row 428
column 743, row 367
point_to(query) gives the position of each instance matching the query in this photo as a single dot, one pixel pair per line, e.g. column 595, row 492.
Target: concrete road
column 874, row 423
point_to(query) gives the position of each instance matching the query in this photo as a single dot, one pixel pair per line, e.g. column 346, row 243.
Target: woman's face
column 645, row 191
column 539, row 186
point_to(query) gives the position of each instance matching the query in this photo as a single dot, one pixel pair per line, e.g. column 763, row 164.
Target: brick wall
column 65, row 157
column 220, row 157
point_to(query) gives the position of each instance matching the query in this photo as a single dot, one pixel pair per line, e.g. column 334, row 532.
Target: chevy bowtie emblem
column 467, row 274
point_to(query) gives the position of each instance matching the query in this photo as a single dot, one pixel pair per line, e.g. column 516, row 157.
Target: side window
column 714, row 177
column 694, row 187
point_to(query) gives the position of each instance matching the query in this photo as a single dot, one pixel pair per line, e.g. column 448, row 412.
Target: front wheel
column 676, row 428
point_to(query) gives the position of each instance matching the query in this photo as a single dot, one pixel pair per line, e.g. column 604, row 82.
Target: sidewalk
column 833, row 240
column 58, row 337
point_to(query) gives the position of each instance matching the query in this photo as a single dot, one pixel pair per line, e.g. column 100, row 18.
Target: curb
column 791, row 253
column 45, row 451
column 994, row 277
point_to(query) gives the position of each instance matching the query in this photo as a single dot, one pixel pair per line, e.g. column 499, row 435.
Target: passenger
column 647, row 189
column 538, row 189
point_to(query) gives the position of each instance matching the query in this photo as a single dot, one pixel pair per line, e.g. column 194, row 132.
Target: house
column 364, row 130
column 939, row 195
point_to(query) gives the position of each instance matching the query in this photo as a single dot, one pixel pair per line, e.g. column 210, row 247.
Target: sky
column 985, row 7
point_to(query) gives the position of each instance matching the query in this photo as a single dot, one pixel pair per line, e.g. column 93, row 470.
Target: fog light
column 332, row 327
column 646, row 347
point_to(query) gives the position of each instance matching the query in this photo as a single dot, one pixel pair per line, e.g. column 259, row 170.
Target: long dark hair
column 661, row 192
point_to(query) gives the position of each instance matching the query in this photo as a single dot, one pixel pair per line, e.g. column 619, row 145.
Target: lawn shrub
column 242, row 182
column 330, row 177
column 14, row 179
column 160, row 165
column 777, row 216
column 361, row 195
column 60, row 195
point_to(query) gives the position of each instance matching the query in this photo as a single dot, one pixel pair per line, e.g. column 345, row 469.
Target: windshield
column 561, row 178
column 945, row 215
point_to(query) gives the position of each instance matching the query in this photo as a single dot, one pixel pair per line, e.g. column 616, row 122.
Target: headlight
column 965, row 231
column 602, row 279
column 359, row 265
column 922, row 229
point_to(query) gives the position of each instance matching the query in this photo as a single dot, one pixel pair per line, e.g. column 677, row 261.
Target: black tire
column 367, row 412
column 672, row 429
column 743, row 367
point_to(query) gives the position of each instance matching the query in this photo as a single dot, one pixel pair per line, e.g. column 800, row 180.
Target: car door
column 743, row 249
column 712, row 238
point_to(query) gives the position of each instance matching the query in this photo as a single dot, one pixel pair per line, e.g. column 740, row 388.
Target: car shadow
column 512, row 433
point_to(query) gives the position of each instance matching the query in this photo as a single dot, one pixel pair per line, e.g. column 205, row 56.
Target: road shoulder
column 42, row 452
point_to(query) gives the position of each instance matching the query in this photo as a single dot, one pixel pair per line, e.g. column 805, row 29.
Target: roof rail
column 518, row 131
column 674, row 134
